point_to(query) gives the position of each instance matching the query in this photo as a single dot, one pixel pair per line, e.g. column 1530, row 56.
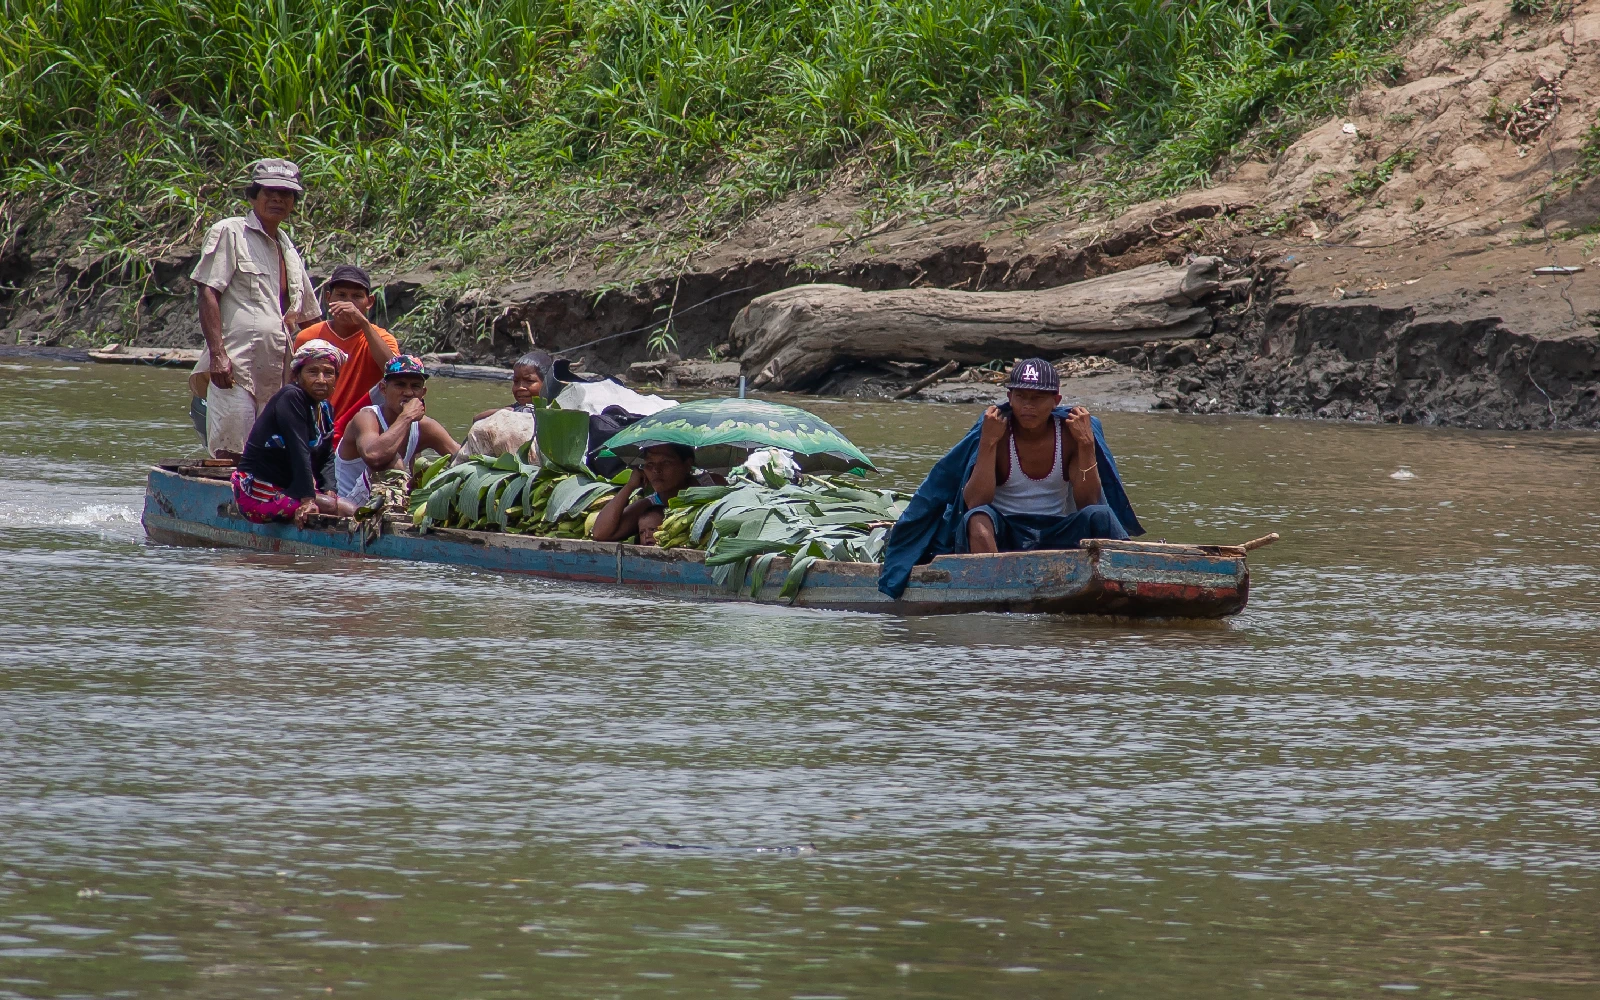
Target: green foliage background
column 531, row 123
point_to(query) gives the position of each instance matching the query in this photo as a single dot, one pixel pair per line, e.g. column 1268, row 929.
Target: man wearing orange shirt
column 349, row 299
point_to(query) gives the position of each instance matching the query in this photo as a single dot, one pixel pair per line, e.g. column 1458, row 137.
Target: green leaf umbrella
column 723, row 432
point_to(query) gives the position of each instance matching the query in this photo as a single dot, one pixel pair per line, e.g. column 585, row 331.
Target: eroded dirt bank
column 1465, row 337
column 1391, row 257
column 1457, row 331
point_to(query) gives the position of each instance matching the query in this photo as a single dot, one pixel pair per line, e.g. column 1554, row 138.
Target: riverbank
column 1383, row 263
column 1456, row 331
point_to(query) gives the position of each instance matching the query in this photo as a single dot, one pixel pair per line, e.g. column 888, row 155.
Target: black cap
column 1034, row 373
column 349, row 274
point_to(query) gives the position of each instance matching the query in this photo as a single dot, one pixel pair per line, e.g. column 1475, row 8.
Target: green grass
column 522, row 130
column 1364, row 182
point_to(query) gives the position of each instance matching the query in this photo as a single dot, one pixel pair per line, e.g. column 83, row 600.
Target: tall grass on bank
column 409, row 116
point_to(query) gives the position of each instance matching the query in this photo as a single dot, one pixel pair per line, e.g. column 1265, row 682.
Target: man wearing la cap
column 254, row 295
column 348, row 296
column 1032, row 474
column 1036, row 482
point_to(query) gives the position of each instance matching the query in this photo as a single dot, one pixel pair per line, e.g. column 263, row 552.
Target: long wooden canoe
column 193, row 505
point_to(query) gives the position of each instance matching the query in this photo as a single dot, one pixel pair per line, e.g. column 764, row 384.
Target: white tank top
column 351, row 474
column 1022, row 494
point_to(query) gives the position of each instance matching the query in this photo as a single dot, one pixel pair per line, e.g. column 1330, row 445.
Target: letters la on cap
column 282, row 174
column 1034, row 373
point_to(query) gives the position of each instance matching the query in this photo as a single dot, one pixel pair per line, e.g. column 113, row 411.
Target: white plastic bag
column 592, row 397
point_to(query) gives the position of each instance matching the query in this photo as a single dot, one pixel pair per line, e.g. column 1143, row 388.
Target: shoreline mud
column 1456, row 332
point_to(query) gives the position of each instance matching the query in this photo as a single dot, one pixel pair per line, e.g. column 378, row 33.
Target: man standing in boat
column 1032, row 474
column 254, row 296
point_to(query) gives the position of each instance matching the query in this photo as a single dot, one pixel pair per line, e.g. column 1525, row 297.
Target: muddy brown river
column 232, row 775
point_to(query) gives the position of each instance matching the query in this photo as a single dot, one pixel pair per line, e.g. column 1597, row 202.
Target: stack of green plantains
column 509, row 494
column 558, row 497
column 745, row 526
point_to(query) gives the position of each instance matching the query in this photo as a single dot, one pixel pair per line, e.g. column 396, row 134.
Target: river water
column 232, row 775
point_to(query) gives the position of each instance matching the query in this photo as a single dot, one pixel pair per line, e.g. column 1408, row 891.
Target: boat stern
column 1157, row 579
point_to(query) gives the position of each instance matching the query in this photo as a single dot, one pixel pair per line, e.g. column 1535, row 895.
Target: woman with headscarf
column 279, row 477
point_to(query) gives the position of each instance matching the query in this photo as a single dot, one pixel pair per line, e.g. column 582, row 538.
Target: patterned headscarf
column 405, row 364
column 317, row 350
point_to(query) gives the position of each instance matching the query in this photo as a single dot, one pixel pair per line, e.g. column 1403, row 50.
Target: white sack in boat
column 592, row 397
column 498, row 433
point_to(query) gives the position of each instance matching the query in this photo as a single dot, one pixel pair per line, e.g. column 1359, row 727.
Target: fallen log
column 792, row 338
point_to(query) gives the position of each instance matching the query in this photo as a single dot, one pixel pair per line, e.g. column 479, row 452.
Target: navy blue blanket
column 928, row 527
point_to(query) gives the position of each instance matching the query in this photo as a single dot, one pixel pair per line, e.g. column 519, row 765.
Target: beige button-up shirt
column 240, row 261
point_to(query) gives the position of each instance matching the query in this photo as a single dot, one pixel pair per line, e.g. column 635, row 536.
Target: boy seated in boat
column 1032, row 474
column 504, row 429
column 279, row 476
column 385, row 439
column 528, row 382
column 666, row 468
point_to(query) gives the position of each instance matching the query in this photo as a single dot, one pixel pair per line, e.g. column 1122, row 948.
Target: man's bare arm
column 618, row 518
column 211, row 327
column 379, row 451
column 1083, row 468
column 981, row 485
column 377, row 347
column 433, row 435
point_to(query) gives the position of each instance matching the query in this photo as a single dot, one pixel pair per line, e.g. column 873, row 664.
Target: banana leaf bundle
column 559, row 498
column 509, row 494
column 745, row 526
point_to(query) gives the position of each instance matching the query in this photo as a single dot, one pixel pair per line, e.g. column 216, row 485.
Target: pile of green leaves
column 745, row 526
column 560, row 497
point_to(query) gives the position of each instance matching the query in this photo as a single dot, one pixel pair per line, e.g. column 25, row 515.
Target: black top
column 290, row 443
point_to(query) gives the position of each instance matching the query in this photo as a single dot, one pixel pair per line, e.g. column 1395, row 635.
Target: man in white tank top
column 1035, row 483
column 390, row 435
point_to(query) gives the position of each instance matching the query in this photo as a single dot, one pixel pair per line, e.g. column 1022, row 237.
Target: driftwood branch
column 792, row 338
column 948, row 368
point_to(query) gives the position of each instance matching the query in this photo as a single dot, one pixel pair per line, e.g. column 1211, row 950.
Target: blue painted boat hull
column 1103, row 577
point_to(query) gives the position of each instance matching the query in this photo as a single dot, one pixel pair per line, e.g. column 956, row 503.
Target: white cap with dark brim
column 273, row 173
